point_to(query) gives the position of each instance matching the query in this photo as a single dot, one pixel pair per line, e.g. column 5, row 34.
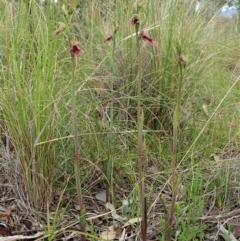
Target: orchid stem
column 140, row 118
column 77, row 155
column 175, row 183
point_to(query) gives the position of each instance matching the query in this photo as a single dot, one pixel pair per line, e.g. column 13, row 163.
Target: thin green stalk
column 109, row 171
column 174, row 151
column 175, row 131
column 140, row 118
column 77, row 156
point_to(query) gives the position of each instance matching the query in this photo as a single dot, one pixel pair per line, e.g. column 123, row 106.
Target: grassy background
column 36, row 109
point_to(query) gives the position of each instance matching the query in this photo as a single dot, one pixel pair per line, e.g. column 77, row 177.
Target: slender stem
column 110, row 165
column 174, row 154
column 77, row 156
column 140, row 167
column 140, row 118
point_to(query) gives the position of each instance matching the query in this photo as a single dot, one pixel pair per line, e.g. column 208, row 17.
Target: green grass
column 36, row 108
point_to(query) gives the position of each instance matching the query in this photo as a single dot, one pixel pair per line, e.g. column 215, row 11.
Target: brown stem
column 77, row 156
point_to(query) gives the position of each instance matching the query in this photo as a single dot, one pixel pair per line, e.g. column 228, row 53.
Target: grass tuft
column 155, row 101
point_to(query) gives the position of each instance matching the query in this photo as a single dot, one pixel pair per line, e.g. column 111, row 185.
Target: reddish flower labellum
column 75, row 50
column 135, row 20
column 147, row 38
column 108, row 39
column 182, row 60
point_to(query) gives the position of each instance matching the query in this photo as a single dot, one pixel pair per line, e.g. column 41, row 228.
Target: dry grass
column 37, row 146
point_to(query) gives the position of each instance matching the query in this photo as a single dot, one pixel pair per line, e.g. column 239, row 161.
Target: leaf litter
column 19, row 221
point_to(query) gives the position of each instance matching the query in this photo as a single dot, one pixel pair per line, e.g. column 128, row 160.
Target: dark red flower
column 147, row 38
column 108, row 39
column 135, row 20
column 75, row 50
column 182, row 60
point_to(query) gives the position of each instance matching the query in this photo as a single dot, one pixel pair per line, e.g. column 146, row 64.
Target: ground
column 20, row 221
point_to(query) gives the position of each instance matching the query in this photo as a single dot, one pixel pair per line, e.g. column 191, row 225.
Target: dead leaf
column 22, row 237
column 127, row 205
column 5, row 216
column 225, row 233
column 153, row 169
column 109, row 234
column 118, row 233
column 132, row 221
column 113, row 212
column 104, row 121
column 216, row 158
column 101, row 196
column 102, row 92
column 205, row 109
column 123, row 235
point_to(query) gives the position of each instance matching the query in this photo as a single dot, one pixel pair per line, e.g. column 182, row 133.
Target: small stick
column 226, row 234
column 220, row 216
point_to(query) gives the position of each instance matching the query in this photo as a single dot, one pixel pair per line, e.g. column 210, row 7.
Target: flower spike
column 147, row 38
column 135, row 20
column 181, row 58
column 108, row 39
column 75, row 50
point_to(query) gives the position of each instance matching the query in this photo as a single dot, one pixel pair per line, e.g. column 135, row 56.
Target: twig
column 28, row 231
column 21, row 237
column 220, row 216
